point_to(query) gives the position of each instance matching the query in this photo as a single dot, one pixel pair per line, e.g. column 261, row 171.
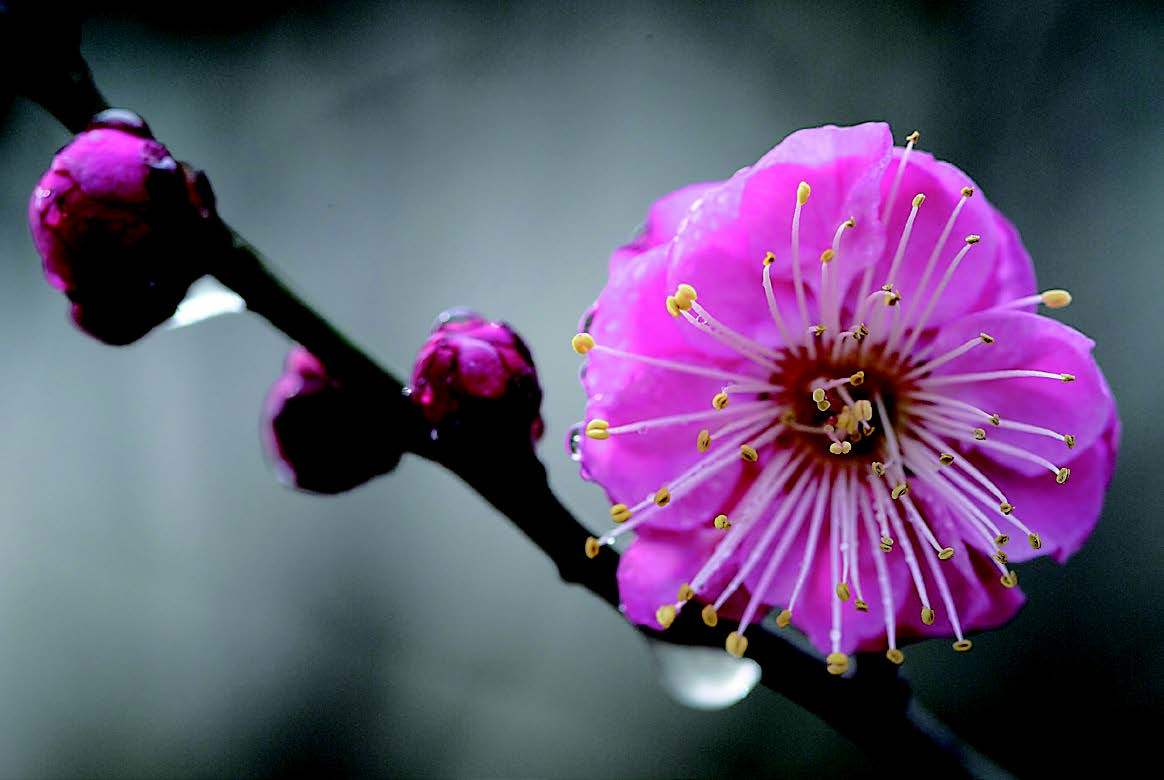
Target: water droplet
column 704, row 678
column 453, row 315
column 588, row 318
column 574, row 442
column 206, row 299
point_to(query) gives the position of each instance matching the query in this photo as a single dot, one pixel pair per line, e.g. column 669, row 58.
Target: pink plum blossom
column 822, row 387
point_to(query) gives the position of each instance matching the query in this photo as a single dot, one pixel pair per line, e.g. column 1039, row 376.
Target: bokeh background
column 168, row 609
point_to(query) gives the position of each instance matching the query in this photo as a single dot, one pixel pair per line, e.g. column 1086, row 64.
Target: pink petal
column 721, row 245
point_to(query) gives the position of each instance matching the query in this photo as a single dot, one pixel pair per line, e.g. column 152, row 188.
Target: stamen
column 794, row 500
column 830, row 307
column 773, row 307
column 890, row 507
column 1061, row 474
column 910, row 140
column 738, row 343
column 947, row 598
column 931, row 439
column 654, row 423
column 919, row 327
column 1052, row 299
column 931, row 263
column 883, row 583
column 813, row 535
column 986, row 376
column 685, row 368
column 802, row 193
column 953, row 354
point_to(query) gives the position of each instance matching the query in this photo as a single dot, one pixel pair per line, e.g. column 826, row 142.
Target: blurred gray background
column 168, row 609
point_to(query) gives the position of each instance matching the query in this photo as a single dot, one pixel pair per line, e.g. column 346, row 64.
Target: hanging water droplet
column 703, row 678
column 574, row 442
column 207, row 298
column 588, row 318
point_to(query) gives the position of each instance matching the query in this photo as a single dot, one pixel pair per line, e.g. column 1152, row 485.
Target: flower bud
column 123, row 228
column 472, row 372
column 320, row 434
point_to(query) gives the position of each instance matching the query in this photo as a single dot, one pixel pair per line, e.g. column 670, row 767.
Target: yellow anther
column 860, row 331
column 861, row 605
column 973, row 238
column 899, row 490
column 850, row 223
column 672, row 306
column 967, row 192
column 865, row 410
column 1006, row 508
column 979, row 434
column 1009, row 580
column 1001, row 539
column 913, row 137
column 1056, row 299
column 620, row 513
column 582, row 343
column 843, row 592
column 736, row 644
column 1069, row 440
column 788, row 417
column 823, row 405
column 662, row 497
column 945, row 459
column 784, row 618
column 835, row 448
column 686, row 592
column 703, row 441
column 597, row 429
column 1001, row 557
column 1067, row 377
column 719, row 400
column 709, row 616
column 748, row 453
column 837, row 663
column 721, row 522
column 769, row 258
column 685, row 292
column 963, row 645
column 827, row 255
column 878, row 468
column 665, row 615
column 802, row 192
column 857, row 379
column 1035, row 540
column 886, row 544
column 918, row 199
column 1062, row 475
column 682, row 304
column 818, row 395
column 927, row 616
column 995, row 419
column 818, row 329
column 592, row 547
column 895, row 656
column 946, row 554
column 986, row 338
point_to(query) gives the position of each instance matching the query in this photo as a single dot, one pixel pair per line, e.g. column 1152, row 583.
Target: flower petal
column 663, row 220
column 657, row 562
column 720, row 247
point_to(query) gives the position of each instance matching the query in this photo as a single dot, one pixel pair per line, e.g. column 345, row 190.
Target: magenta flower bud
column 319, row 433
column 122, row 228
column 472, row 371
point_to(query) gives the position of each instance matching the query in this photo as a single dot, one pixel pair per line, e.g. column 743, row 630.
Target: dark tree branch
column 873, row 708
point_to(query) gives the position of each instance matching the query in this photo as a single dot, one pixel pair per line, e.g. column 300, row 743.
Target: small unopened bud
column 316, row 431
column 475, row 372
column 123, row 229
